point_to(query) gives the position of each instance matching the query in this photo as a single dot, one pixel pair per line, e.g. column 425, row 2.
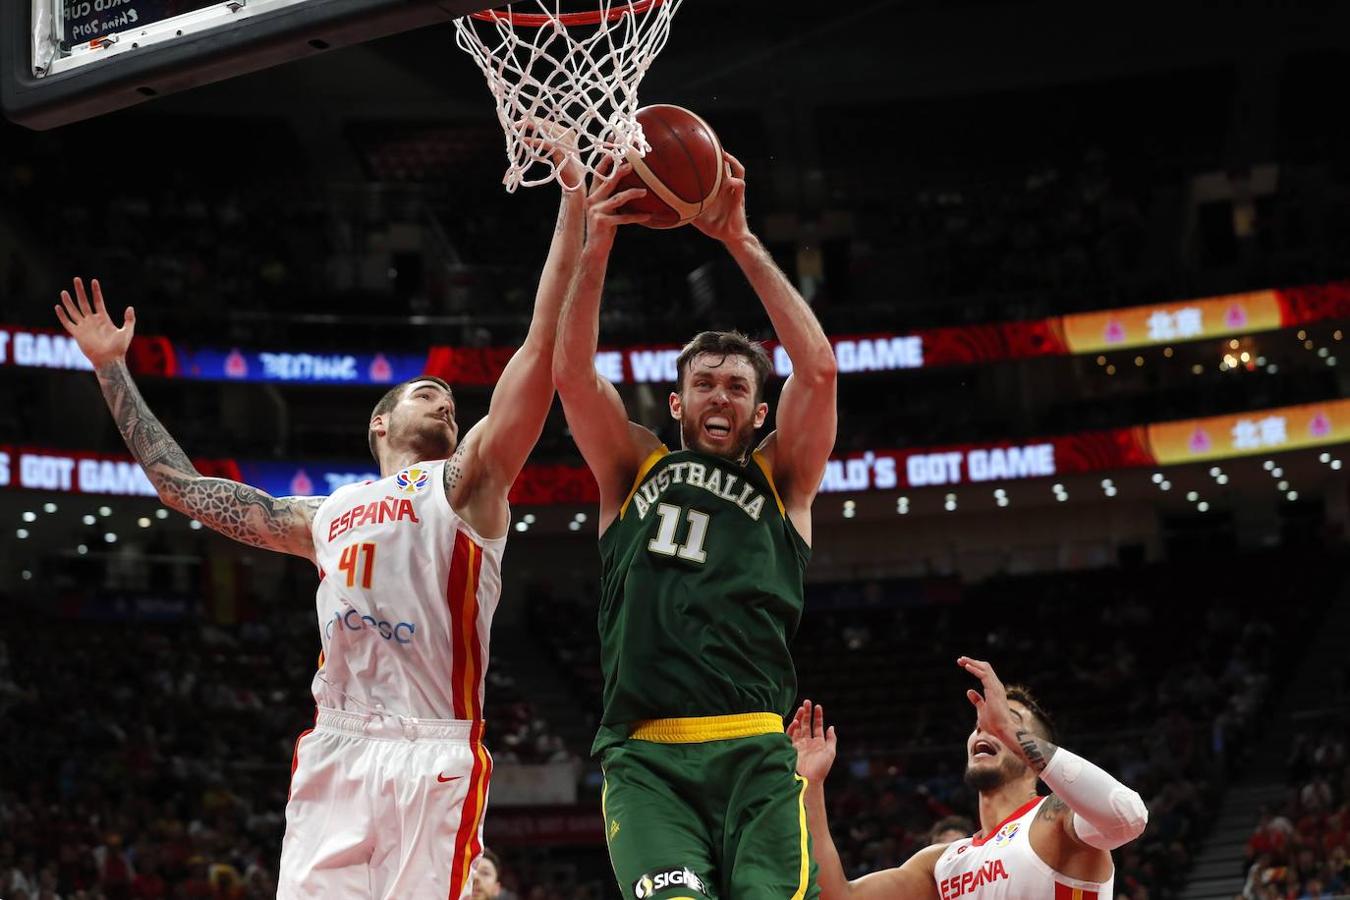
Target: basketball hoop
column 553, row 73
column 536, row 20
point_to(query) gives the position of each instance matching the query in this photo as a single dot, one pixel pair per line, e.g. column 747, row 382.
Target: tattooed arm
column 235, row 510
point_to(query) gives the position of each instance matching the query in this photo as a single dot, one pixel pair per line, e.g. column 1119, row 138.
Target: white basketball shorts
column 384, row 807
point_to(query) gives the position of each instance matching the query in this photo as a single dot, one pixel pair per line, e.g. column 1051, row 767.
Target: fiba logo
column 1007, row 833
column 412, row 480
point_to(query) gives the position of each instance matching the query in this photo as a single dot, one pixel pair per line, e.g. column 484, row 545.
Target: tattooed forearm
column 1037, row 751
column 235, row 510
column 245, row 513
column 146, row 438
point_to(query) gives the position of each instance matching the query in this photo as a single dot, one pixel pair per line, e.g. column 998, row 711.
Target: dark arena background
column 1086, row 268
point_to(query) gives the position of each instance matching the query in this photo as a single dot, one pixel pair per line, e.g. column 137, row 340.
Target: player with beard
column 388, row 789
column 1028, row 847
column 702, row 551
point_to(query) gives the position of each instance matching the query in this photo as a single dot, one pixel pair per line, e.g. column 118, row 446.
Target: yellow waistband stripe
column 707, row 728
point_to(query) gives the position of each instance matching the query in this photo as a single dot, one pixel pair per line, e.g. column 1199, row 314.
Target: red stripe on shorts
column 468, row 840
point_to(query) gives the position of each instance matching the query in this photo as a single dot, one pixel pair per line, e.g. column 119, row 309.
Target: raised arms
column 806, row 420
column 612, row 446
column 235, row 510
column 480, row 476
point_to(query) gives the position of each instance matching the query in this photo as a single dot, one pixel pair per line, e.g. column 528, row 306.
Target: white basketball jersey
column 406, row 596
column 1003, row 866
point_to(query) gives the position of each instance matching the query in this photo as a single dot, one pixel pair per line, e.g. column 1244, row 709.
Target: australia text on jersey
column 719, row 483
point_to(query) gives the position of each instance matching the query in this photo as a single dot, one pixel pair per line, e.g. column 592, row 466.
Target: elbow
column 1131, row 814
column 1129, row 819
column 173, row 501
column 569, row 376
column 821, row 369
column 1136, row 818
column 564, row 372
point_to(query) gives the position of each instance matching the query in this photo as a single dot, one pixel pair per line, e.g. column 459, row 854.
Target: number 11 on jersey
column 664, row 542
column 354, row 557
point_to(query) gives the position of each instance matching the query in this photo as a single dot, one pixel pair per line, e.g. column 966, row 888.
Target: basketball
column 683, row 170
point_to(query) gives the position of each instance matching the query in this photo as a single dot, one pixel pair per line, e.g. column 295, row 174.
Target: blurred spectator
column 950, row 828
column 1300, row 849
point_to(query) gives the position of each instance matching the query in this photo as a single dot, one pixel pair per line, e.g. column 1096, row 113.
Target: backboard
column 62, row 61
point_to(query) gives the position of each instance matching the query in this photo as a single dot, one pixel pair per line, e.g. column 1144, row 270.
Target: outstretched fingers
column 81, row 299
column 603, row 170
column 795, row 728
column 804, row 719
column 610, row 209
column 612, row 204
column 977, row 667
column 64, row 318
column 608, row 176
column 71, row 312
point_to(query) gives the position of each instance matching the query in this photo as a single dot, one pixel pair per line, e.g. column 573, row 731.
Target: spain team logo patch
column 412, row 480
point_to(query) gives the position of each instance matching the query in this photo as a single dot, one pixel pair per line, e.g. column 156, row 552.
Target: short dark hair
column 951, row 823
column 493, row 858
column 390, row 400
column 1020, row 693
column 726, row 343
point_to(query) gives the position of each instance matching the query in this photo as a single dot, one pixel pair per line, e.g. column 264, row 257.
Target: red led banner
column 1165, row 443
column 1156, row 324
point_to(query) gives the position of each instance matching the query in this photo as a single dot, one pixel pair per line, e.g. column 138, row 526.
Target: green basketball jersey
column 701, row 591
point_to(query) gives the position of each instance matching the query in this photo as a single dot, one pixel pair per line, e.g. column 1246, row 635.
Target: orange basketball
column 683, row 170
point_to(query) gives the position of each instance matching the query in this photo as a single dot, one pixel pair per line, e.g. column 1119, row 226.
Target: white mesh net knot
column 553, row 73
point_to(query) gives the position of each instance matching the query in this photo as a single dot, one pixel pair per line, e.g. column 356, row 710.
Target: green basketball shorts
column 692, row 814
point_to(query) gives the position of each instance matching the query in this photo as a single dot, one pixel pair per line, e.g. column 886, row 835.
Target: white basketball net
column 559, row 79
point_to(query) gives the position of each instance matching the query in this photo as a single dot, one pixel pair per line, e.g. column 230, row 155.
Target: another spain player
column 703, row 551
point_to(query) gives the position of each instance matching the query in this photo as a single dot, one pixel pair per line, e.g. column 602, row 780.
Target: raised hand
column 91, row 327
column 603, row 216
column 724, row 219
column 992, row 713
column 559, row 144
column 814, row 743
